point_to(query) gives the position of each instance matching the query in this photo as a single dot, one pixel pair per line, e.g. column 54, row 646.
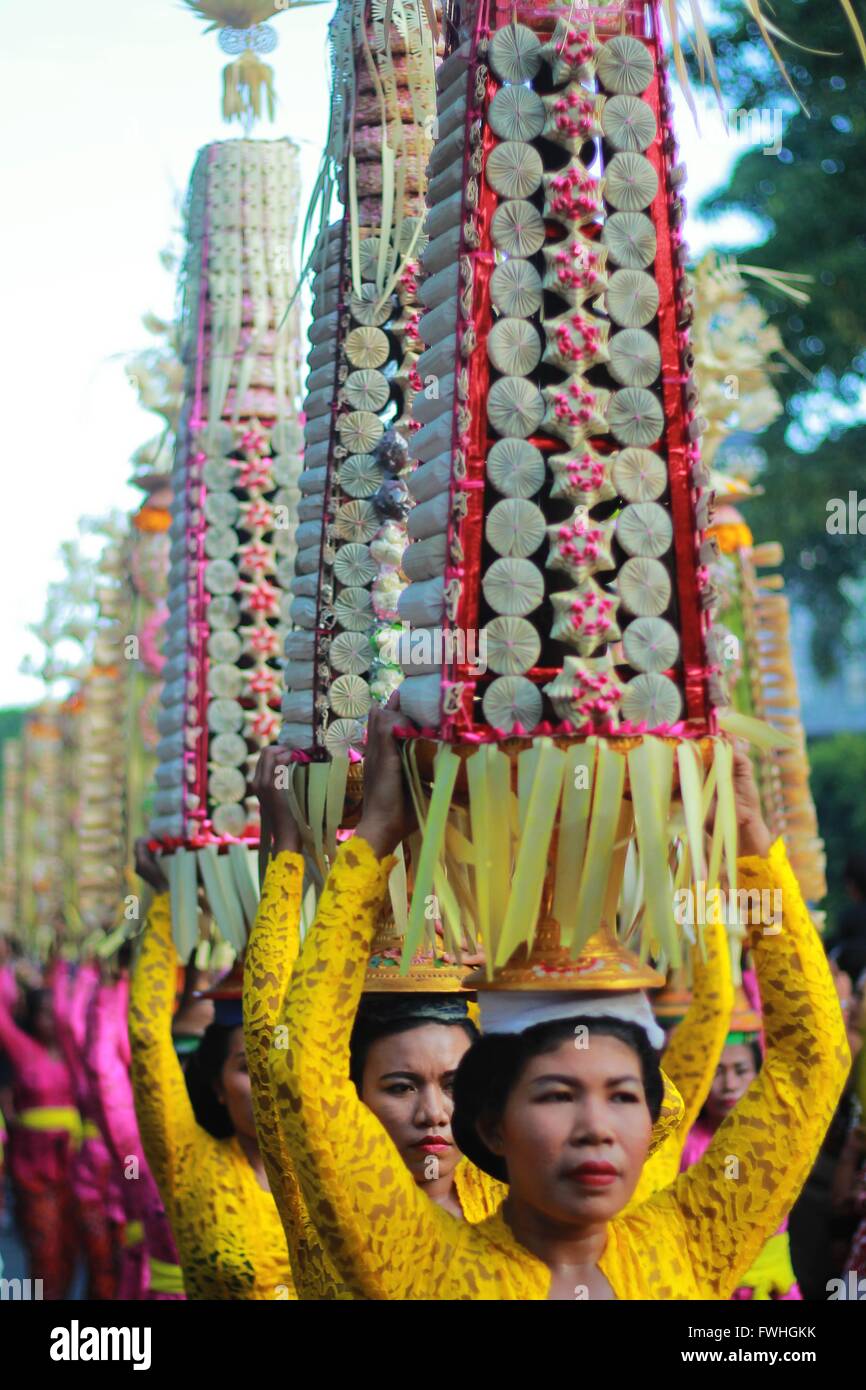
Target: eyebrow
column 409, row 1075
column 573, row 1081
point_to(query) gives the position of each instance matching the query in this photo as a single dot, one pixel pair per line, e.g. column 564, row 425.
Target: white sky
column 103, row 106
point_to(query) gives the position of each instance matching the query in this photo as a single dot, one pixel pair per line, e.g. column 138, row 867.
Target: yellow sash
column 165, row 1278
column 90, row 1131
column 772, row 1272
column 45, row 1117
column 133, row 1234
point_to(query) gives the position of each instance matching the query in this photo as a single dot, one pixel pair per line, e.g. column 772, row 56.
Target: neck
column 440, row 1190
column 250, row 1146
column 560, row 1247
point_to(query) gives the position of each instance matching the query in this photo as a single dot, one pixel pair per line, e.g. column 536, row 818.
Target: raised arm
column 111, row 1078
column 733, row 1199
column 381, row 1232
column 692, row 1054
column 165, row 1116
column 22, row 1050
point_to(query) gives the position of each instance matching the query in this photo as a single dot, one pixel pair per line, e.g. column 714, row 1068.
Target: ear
column 490, row 1134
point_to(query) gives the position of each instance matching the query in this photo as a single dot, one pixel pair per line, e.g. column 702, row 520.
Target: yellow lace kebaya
column 229, row 1236
column 692, row 1055
column 694, row 1240
column 271, row 954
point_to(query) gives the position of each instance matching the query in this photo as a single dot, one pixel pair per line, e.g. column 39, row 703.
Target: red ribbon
column 669, row 277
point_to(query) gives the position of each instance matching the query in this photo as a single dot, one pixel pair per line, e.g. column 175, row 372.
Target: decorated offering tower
column 360, row 416
column 233, row 515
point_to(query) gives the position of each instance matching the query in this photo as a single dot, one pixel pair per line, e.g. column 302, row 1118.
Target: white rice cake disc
column 360, row 475
column 224, row 646
column 635, row 416
column 229, row 819
column 360, row 431
column 632, row 298
column 634, row 357
column 628, row 123
column 514, row 169
column 351, row 652
column 630, row 182
column 644, row 529
column 367, row 389
column 349, row 697
column 513, row 586
column 367, row 311
column 353, row 609
column 517, row 228
column 225, row 717
column 510, row 701
column 639, row 475
column 515, row 407
column 343, row 735
column 515, row 285
column 220, row 577
column 223, row 612
column 367, row 348
column 514, row 347
column 515, row 527
column 630, row 238
column 515, row 467
column 516, row 113
column 225, row 681
column 228, row 750
column 356, row 521
column 624, row 65
column 512, row 646
column 227, row 784
column 651, row 699
column 220, row 544
column 515, row 53
column 651, row 644
column 354, row 565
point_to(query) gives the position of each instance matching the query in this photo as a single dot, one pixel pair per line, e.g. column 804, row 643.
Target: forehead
column 428, row 1050
column 592, row 1057
column 735, row 1053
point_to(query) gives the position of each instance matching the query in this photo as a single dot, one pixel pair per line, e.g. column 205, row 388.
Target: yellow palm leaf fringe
column 783, row 774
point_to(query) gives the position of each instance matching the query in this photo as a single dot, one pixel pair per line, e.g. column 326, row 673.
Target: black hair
column 35, row 998
column 383, row 1015
column 490, row 1070
column 202, row 1074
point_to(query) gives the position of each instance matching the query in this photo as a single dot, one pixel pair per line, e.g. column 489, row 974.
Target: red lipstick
column 595, row 1174
column 433, row 1144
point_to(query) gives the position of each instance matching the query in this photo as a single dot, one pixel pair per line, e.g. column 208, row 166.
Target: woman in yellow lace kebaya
column 570, row 1127
column 404, row 1051
column 692, row 1054
column 771, row 1275
column 208, row 1168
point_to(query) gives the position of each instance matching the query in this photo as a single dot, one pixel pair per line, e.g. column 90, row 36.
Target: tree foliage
column 838, row 779
column 811, row 199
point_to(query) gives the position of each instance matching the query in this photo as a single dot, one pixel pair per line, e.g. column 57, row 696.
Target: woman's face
column 233, row 1087
column 408, row 1084
column 575, row 1130
column 734, row 1075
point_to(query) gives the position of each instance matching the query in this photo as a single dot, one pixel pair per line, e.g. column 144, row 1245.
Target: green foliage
column 811, row 199
column 838, row 786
